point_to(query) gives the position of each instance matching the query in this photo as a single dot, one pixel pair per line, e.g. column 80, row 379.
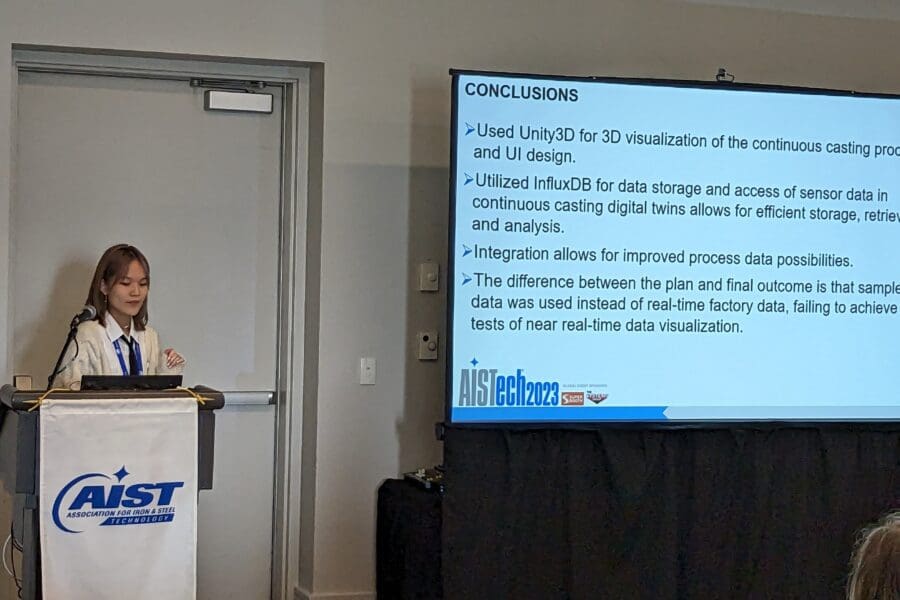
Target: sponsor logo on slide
column 573, row 398
column 97, row 499
column 596, row 397
column 489, row 387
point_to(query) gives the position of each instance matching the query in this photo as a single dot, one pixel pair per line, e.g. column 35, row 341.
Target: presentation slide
column 654, row 251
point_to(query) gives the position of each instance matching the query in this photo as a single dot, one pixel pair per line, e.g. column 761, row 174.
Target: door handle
column 251, row 398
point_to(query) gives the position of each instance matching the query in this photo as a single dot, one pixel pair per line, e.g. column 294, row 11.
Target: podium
column 27, row 459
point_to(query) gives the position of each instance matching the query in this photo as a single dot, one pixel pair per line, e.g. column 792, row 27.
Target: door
column 102, row 160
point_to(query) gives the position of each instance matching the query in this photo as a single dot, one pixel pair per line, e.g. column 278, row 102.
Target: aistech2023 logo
column 97, row 499
column 481, row 386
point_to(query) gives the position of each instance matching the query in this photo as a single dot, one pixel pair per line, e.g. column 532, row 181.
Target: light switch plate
column 367, row 370
column 429, row 277
column 428, row 345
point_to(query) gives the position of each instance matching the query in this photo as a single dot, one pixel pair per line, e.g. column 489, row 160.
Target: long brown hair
column 112, row 267
column 875, row 572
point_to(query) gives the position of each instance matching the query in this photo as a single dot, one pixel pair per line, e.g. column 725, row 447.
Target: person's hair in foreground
column 875, row 566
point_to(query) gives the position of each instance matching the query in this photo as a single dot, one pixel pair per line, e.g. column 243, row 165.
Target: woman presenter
column 118, row 341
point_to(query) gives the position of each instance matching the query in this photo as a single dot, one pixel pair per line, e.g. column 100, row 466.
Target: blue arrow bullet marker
column 468, row 179
column 468, row 250
column 466, row 279
column 469, row 129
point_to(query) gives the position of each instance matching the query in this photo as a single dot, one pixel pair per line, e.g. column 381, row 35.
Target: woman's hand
column 173, row 359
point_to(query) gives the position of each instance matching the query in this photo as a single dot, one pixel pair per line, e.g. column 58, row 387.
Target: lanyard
column 137, row 356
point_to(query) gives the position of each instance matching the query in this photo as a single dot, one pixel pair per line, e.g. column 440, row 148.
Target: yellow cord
column 36, row 403
column 200, row 399
column 40, row 399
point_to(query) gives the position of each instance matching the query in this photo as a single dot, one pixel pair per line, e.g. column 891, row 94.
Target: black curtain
column 662, row 514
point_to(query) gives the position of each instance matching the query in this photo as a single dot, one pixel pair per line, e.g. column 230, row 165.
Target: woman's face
column 127, row 296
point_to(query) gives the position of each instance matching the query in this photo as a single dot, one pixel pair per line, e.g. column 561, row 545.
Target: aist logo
column 477, row 387
column 94, row 497
column 485, row 387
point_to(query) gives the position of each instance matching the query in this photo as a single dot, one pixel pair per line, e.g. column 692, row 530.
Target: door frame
column 299, row 245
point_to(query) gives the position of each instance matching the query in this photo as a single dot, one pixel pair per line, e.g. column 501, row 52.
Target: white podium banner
column 118, row 499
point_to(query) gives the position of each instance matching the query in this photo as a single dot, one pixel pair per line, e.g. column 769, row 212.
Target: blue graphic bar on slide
column 558, row 413
column 776, row 413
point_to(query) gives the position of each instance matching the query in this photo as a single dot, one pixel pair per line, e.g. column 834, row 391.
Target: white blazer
column 96, row 355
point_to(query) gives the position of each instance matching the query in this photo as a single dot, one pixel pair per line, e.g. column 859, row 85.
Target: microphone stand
column 73, row 329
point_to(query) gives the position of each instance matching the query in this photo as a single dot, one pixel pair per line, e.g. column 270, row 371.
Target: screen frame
column 756, row 424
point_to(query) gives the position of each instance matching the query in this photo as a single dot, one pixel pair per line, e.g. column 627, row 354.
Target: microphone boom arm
column 87, row 313
column 73, row 330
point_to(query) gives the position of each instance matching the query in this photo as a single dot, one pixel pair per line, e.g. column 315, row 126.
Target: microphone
column 87, row 313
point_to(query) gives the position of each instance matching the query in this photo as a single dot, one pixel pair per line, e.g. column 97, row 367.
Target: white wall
column 869, row 9
column 386, row 152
